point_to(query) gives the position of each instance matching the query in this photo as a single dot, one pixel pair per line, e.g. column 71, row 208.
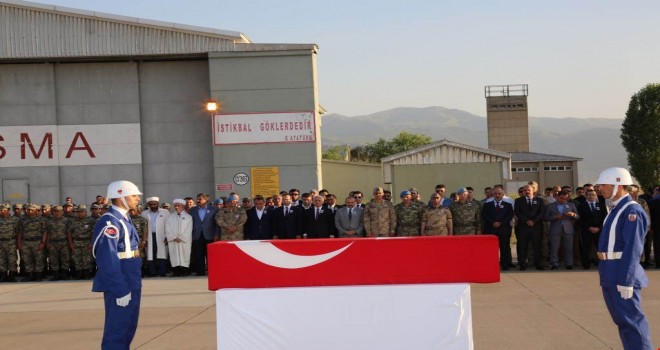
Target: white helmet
column 121, row 189
column 614, row 176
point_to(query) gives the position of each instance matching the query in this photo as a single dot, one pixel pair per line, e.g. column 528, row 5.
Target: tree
column 374, row 152
column 335, row 152
column 640, row 136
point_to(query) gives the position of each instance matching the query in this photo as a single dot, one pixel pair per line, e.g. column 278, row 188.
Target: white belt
column 609, row 256
column 129, row 254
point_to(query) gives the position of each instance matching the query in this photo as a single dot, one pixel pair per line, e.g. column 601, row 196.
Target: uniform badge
column 632, row 217
column 111, row 232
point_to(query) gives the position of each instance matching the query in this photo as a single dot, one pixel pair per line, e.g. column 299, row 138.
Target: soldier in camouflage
column 466, row 216
column 18, row 210
column 408, row 216
column 80, row 241
column 46, row 210
column 31, row 242
column 379, row 216
column 436, row 219
column 57, row 229
column 142, row 227
column 8, row 233
column 231, row 220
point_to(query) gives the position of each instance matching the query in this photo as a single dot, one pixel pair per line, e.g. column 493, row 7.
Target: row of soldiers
column 47, row 238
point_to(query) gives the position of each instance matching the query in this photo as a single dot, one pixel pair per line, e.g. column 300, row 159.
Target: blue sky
column 580, row 58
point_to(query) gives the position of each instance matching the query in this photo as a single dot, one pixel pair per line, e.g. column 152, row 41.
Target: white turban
column 179, row 201
column 153, row 199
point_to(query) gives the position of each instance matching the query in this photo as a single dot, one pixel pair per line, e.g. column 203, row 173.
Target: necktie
column 529, row 201
column 316, row 215
column 593, row 207
column 350, row 214
column 497, row 205
column 286, row 211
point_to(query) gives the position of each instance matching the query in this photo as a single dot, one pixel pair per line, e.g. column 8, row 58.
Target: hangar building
column 87, row 98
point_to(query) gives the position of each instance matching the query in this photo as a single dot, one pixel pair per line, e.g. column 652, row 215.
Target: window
column 558, row 168
column 525, row 169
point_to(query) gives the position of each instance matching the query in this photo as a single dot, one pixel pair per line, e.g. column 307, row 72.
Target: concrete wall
column 342, row 177
column 267, row 81
column 453, row 176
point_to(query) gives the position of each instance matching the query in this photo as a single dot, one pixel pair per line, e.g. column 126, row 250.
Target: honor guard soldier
column 620, row 247
column 57, row 229
column 118, row 261
column 8, row 234
column 31, row 242
column 80, row 241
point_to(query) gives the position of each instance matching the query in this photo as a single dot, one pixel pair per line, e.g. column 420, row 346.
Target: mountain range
column 596, row 140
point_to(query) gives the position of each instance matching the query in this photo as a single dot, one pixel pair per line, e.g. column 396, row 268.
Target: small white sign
column 241, row 179
column 286, row 127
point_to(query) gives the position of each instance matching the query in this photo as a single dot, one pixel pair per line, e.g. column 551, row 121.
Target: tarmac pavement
column 526, row 310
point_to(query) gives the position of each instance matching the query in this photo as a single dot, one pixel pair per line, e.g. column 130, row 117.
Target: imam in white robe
column 161, row 217
column 179, row 226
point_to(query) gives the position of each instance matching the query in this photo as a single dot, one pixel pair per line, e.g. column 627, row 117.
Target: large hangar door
column 15, row 191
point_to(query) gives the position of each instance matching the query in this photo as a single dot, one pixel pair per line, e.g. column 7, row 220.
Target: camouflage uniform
column 58, row 248
column 466, row 218
column 31, row 230
column 231, row 217
column 407, row 219
column 379, row 219
column 142, row 227
column 8, row 232
column 81, row 240
column 435, row 221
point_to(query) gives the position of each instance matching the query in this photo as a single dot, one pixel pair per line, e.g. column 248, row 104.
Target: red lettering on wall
column 85, row 147
column 3, row 152
column 48, row 138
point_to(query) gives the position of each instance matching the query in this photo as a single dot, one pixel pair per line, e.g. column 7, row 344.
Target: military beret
column 80, row 207
column 67, row 205
column 57, row 208
column 461, row 190
column 378, row 189
column 218, row 201
column 4, row 206
column 18, row 206
column 45, row 206
column 413, row 189
column 233, row 197
column 404, row 193
column 95, row 206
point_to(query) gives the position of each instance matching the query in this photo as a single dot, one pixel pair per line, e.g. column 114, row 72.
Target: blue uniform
column 118, row 274
column 624, row 270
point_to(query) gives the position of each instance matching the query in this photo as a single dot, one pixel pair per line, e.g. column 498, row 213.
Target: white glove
column 123, row 301
column 626, row 292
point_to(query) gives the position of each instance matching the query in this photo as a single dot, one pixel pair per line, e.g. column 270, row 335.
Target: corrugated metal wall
column 448, row 155
column 27, row 33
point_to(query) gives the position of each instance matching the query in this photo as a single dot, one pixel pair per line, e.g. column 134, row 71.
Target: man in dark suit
column 358, row 199
column 286, row 220
column 205, row 231
column 317, row 222
column 592, row 215
column 348, row 220
column 259, row 224
column 529, row 211
column 497, row 217
column 561, row 215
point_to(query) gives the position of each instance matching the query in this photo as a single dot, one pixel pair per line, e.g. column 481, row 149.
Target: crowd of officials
column 552, row 227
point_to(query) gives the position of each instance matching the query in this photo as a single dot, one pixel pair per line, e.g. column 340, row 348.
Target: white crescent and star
column 269, row 254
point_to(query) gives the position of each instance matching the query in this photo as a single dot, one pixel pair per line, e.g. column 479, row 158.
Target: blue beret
column 404, row 193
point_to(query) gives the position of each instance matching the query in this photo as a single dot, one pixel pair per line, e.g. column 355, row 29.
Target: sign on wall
column 57, row 145
column 286, row 127
column 265, row 181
